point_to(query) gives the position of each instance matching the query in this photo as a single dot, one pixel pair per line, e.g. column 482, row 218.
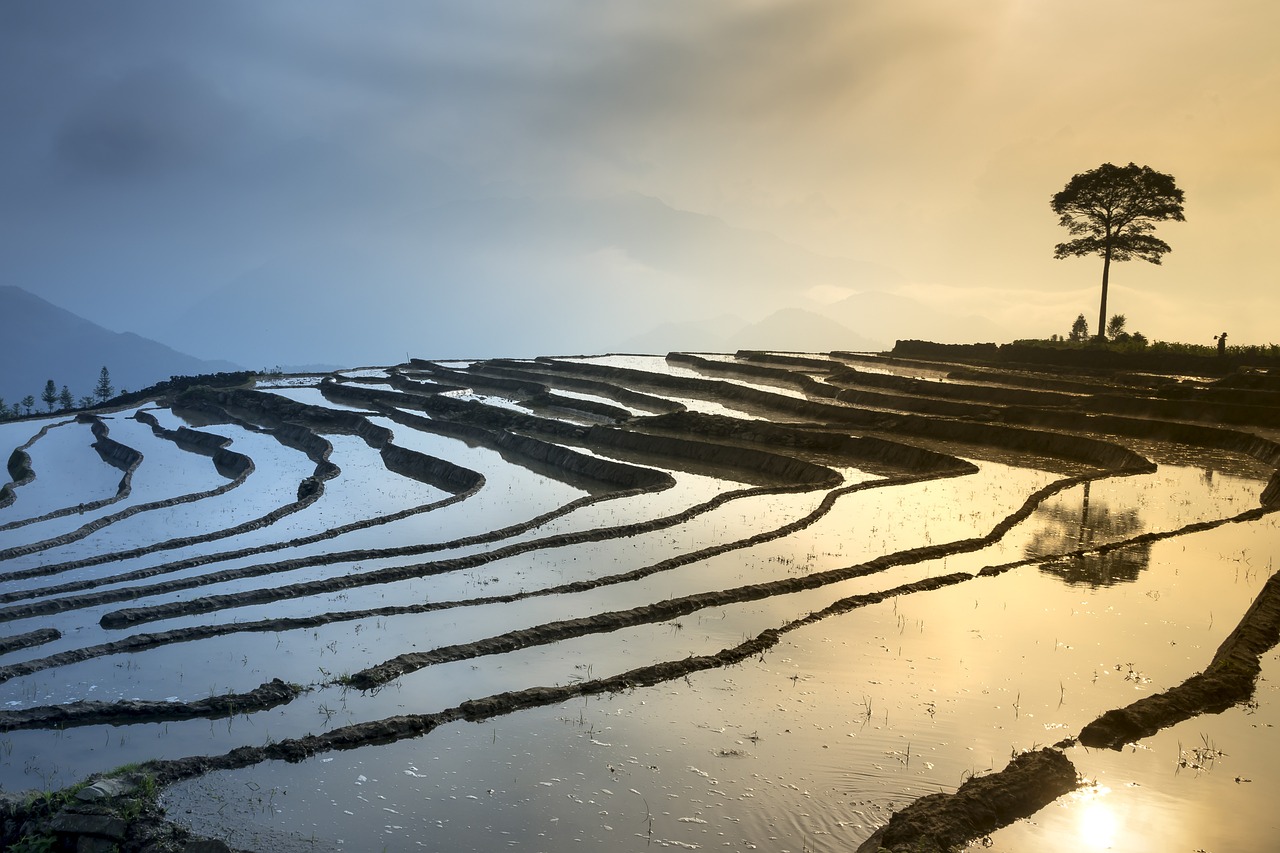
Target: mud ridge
column 427, row 468
column 122, row 490
column 31, row 638
column 133, row 711
column 1228, row 680
column 143, row 642
column 131, row 616
column 772, row 466
column 939, row 823
column 113, row 453
column 830, row 388
column 617, row 393
column 1074, row 448
column 542, row 457
column 375, row 676
column 393, row 729
column 310, row 489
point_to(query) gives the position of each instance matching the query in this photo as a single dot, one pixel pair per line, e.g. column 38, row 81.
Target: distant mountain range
column 526, row 277
column 42, row 341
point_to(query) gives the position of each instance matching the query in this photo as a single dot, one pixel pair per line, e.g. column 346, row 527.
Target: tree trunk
column 1102, row 312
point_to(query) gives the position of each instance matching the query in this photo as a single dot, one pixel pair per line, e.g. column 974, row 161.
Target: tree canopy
column 1111, row 211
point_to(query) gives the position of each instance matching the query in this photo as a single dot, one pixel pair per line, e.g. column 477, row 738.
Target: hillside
column 42, row 342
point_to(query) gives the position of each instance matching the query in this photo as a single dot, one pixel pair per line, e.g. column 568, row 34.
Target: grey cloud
column 153, row 119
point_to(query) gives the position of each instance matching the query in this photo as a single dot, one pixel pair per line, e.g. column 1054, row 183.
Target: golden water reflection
column 1066, row 525
column 1098, row 822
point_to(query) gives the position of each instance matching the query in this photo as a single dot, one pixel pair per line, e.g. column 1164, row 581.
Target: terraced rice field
column 705, row 602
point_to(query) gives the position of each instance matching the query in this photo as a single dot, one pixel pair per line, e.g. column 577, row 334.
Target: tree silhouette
column 1079, row 329
column 1065, row 528
column 29, row 403
column 65, row 399
column 49, row 394
column 1112, row 211
column 104, row 389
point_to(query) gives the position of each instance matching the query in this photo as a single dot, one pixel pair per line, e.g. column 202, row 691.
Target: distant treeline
column 1160, row 356
column 104, row 393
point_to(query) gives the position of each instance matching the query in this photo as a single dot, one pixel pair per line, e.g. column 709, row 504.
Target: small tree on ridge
column 1079, row 329
column 104, row 389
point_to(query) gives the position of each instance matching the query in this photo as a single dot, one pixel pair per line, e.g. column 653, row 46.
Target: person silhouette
column 1222, row 343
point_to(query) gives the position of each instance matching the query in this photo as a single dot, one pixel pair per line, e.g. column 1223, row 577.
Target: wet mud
column 939, row 823
column 129, row 711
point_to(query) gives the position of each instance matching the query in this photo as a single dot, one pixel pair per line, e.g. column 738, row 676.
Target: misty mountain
column 509, row 277
column 889, row 317
column 42, row 341
column 800, row 330
column 707, row 335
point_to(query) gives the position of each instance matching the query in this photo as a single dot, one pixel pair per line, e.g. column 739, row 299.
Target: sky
column 166, row 167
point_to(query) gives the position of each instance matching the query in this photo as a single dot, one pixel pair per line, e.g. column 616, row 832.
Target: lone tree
column 1112, row 211
column 104, row 389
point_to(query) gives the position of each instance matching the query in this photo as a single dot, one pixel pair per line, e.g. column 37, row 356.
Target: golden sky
column 148, row 144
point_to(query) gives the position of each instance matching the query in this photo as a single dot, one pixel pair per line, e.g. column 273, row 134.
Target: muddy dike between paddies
column 747, row 601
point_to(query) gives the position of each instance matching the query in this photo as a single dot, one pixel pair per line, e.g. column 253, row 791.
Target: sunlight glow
column 1098, row 826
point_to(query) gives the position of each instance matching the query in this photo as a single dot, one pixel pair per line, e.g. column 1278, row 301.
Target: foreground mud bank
column 1228, row 680
column 940, row 823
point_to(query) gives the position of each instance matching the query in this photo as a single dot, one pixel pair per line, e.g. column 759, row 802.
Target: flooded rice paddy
column 686, row 602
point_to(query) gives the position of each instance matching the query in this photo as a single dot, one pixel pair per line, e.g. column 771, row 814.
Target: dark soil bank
column 940, row 823
column 1228, row 680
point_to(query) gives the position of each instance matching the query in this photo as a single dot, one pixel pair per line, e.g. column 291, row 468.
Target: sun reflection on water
column 1098, row 821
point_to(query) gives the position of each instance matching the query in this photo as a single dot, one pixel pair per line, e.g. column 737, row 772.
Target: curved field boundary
column 21, row 472
column 922, row 404
column 772, row 466
column 302, row 562
column 128, row 616
column 1248, row 444
column 674, row 607
column 131, row 711
column 572, row 628
column 528, row 370
column 1016, row 438
column 143, row 642
column 942, row 822
column 19, row 468
column 1227, row 680
column 38, row 637
column 462, row 482
column 530, row 393
column 131, row 616
column 1032, row 780
column 537, row 454
column 400, row 727
column 993, row 395
column 58, row 605
column 115, row 454
column 397, row 728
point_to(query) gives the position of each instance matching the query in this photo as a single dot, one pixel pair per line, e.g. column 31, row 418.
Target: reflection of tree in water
column 1067, row 528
